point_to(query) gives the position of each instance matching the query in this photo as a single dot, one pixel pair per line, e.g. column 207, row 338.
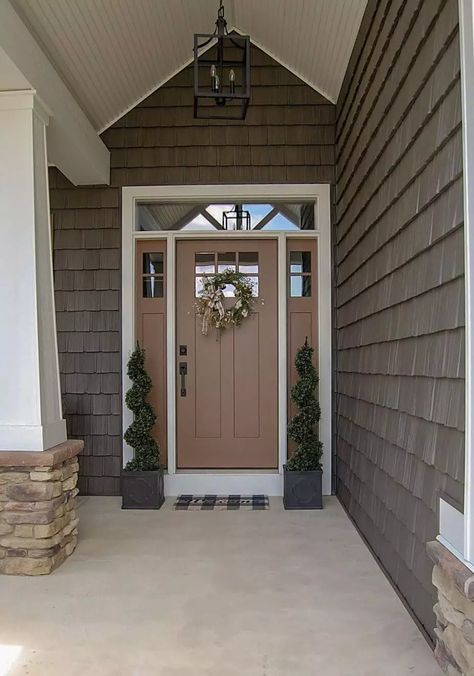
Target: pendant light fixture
column 221, row 72
column 236, row 219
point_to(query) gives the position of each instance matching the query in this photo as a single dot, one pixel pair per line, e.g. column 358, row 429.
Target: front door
column 227, row 390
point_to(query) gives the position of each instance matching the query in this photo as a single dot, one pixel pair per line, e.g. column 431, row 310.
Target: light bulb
column 213, row 78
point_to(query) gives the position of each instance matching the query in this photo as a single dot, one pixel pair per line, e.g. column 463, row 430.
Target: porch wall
column 400, row 293
column 287, row 137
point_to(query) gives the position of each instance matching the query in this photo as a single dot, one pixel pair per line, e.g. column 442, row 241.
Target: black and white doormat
column 221, row 502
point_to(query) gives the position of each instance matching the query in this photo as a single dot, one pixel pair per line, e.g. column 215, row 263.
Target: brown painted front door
column 227, row 415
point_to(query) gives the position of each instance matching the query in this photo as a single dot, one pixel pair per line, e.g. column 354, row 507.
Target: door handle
column 183, row 372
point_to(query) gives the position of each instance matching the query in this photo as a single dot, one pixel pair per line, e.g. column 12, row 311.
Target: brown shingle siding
column 369, row 206
column 436, row 355
column 414, row 104
column 353, row 97
column 440, row 309
column 441, row 170
column 400, row 285
column 432, row 223
column 415, row 23
column 438, row 400
column 435, row 266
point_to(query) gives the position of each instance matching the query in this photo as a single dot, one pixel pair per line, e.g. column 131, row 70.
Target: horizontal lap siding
column 400, row 285
column 288, row 136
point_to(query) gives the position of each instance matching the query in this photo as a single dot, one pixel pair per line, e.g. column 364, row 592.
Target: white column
column 30, row 399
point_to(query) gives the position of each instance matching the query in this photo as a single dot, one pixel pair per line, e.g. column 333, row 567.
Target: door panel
column 207, row 385
column 228, row 417
column 247, row 379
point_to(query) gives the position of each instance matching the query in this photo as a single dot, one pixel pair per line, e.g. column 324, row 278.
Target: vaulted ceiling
column 113, row 53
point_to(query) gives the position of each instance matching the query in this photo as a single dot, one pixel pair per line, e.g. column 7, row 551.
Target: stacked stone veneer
column 38, row 519
column 454, row 612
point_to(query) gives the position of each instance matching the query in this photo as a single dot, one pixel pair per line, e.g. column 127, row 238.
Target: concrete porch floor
column 170, row 593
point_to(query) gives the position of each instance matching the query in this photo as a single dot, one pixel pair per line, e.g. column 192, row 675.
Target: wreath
column 210, row 305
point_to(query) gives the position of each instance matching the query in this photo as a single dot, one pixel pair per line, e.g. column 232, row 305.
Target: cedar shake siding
column 400, row 285
column 287, row 137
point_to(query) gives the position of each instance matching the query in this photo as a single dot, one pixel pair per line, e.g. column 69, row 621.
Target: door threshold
column 227, row 482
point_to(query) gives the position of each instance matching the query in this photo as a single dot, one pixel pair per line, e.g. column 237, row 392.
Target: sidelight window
column 300, row 274
column 153, row 275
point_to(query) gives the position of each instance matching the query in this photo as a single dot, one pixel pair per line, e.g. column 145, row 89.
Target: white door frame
column 236, row 481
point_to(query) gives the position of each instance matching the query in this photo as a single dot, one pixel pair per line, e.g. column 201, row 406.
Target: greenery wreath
column 210, row 305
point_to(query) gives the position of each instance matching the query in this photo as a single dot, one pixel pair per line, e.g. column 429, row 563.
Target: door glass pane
column 153, row 287
column 254, row 282
column 153, row 263
column 248, row 262
column 300, row 286
column 229, row 291
column 300, row 261
column 199, row 286
column 226, row 261
column 205, row 263
column 307, row 285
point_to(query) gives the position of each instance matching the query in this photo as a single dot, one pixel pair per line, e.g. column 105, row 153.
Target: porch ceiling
column 113, row 53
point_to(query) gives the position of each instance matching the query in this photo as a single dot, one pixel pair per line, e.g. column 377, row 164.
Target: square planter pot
column 142, row 490
column 303, row 490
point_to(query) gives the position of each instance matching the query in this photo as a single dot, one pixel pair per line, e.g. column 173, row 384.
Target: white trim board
column 451, row 529
column 451, row 526
column 244, row 482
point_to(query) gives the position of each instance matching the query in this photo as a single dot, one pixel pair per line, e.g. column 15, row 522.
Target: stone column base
column 38, row 520
column 454, row 612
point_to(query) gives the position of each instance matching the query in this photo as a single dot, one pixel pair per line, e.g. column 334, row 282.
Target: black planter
column 303, row 490
column 142, row 490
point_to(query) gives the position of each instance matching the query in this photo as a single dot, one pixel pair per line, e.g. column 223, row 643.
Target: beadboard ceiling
column 113, row 53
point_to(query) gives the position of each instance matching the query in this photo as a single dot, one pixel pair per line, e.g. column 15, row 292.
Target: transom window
column 169, row 217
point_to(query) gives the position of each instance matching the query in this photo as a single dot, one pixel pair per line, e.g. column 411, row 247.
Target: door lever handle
column 183, row 372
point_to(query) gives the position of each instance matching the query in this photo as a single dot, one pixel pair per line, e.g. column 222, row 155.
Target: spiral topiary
column 138, row 435
column 309, row 449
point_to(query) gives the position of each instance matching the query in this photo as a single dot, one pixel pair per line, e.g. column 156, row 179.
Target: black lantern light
column 236, row 219
column 221, row 73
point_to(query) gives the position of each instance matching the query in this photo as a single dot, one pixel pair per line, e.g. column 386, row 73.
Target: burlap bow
column 213, row 297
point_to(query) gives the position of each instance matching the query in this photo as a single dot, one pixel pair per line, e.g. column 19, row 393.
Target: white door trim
column 270, row 483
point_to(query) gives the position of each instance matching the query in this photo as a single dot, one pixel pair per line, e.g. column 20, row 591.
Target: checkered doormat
column 221, row 502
